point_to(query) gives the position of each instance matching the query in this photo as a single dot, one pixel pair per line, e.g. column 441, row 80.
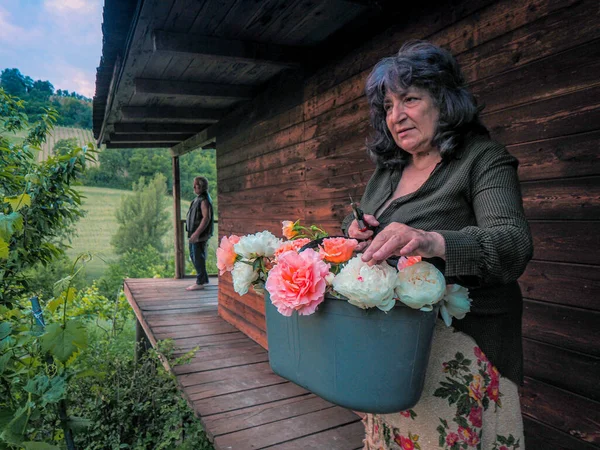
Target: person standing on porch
column 199, row 225
column 445, row 191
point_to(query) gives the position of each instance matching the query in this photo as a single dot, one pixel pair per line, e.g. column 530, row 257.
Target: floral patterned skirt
column 465, row 404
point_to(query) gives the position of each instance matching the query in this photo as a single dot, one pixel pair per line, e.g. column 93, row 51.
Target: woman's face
column 412, row 119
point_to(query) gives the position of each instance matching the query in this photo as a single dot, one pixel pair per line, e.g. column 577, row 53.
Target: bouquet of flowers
column 300, row 269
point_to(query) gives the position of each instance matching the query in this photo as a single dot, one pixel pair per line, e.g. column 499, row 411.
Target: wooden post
column 142, row 344
column 177, row 225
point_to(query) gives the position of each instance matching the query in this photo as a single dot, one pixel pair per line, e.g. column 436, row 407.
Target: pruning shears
column 358, row 215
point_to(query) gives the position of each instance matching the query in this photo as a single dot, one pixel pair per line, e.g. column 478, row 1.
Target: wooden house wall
column 297, row 151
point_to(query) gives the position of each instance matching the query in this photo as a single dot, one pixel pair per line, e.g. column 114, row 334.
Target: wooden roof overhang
column 171, row 69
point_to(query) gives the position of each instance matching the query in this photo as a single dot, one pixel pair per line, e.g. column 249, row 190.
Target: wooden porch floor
column 240, row 401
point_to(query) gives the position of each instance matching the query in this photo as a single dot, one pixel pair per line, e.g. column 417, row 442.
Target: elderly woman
column 443, row 190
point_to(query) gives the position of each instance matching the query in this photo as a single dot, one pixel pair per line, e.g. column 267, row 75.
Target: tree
column 142, row 216
column 37, row 202
column 15, row 83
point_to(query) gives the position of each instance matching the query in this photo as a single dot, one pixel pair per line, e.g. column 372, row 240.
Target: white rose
column 258, row 244
column 456, row 303
column 420, row 286
column 243, row 276
column 367, row 286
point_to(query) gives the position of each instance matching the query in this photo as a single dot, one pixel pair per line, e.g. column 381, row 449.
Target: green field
column 96, row 229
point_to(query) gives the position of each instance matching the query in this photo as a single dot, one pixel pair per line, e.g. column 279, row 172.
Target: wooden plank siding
column 228, row 382
column 297, row 154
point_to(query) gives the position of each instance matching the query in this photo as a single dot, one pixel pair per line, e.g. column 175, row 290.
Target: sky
column 55, row 40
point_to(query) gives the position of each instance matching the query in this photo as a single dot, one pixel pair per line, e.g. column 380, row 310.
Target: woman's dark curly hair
column 426, row 66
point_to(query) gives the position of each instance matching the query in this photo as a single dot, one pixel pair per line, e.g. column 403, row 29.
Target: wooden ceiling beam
column 171, row 114
column 170, row 88
column 228, row 49
column 206, row 139
column 141, row 145
column 154, row 138
column 157, row 128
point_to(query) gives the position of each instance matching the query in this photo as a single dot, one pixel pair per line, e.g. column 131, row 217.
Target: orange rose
column 288, row 229
column 337, row 250
column 291, row 245
column 404, row 262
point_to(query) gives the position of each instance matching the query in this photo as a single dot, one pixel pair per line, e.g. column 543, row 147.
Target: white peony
column 456, row 303
column 420, row 286
column 367, row 286
column 258, row 244
column 243, row 275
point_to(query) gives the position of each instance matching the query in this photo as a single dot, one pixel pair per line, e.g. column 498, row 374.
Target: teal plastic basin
column 365, row 360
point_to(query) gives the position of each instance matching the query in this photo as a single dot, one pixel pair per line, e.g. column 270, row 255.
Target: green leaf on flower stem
column 61, row 342
column 10, row 224
column 18, row 201
column 5, row 329
column 30, row 445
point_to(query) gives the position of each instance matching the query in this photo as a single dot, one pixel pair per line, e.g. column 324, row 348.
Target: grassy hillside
column 96, row 229
column 83, row 138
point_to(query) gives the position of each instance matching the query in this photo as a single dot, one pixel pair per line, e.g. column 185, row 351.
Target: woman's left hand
column 398, row 239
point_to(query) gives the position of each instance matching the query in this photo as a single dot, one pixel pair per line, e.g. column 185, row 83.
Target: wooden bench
column 229, row 384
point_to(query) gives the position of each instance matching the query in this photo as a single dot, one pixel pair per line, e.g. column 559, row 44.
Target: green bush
column 146, row 262
column 42, row 278
column 132, row 406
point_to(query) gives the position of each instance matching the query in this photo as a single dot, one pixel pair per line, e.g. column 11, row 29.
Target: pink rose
column 476, row 416
column 404, row 442
column 226, row 255
column 493, row 391
column 291, row 245
column 337, row 250
column 297, row 282
column 451, row 439
column 468, row 436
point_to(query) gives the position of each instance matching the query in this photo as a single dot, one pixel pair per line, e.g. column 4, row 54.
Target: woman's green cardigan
column 473, row 200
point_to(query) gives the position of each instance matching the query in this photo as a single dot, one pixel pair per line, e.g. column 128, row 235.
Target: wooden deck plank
column 263, row 414
column 202, row 365
column 231, row 402
column 342, row 438
column 287, row 429
column 228, row 381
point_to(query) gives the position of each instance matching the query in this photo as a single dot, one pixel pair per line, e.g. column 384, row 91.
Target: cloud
column 71, row 78
column 8, row 31
column 70, row 6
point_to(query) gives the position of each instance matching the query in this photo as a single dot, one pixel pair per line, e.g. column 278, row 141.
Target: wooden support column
column 177, row 225
column 142, row 343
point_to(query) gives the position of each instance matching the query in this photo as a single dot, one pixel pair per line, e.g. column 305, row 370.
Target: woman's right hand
column 355, row 233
